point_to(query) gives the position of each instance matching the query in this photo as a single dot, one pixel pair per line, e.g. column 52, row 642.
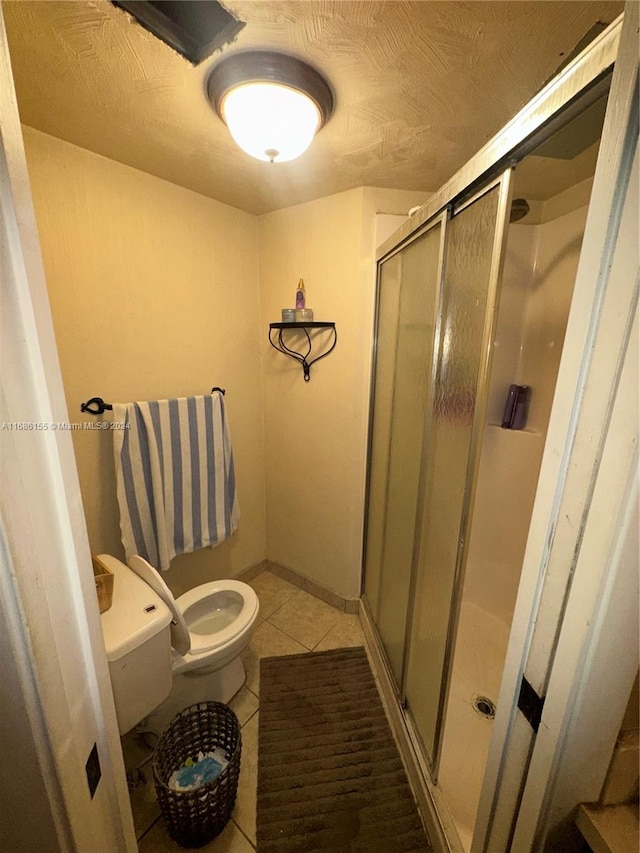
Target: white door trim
column 592, row 356
column 596, row 660
column 53, row 637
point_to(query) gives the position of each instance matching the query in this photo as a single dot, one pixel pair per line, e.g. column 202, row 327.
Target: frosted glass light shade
column 270, row 121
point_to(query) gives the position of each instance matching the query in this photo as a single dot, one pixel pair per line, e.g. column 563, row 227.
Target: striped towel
column 175, row 475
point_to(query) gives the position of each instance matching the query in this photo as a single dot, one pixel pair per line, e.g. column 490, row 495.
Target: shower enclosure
column 467, row 306
column 435, row 320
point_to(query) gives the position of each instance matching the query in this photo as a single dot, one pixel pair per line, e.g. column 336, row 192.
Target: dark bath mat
column 329, row 774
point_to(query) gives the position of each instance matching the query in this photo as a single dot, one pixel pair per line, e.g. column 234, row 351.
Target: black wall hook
column 96, row 406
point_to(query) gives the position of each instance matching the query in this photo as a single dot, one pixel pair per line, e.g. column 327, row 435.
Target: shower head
column 519, row 209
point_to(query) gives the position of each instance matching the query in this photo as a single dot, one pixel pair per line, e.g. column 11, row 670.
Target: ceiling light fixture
column 273, row 104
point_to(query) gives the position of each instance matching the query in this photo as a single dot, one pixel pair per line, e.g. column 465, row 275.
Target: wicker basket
column 103, row 577
column 195, row 817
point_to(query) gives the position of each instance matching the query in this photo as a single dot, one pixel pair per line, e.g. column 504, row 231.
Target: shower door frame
column 586, row 77
column 503, row 182
column 441, row 219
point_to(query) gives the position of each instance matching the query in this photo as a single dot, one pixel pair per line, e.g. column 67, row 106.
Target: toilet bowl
column 211, row 623
column 210, row 626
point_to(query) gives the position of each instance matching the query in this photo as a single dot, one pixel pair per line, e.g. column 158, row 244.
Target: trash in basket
column 195, row 774
column 194, row 817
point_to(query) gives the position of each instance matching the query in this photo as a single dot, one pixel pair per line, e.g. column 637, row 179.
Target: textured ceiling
column 420, row 87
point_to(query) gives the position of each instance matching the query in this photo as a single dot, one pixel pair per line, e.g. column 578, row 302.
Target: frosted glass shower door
column 407, row 305
column 467, row 309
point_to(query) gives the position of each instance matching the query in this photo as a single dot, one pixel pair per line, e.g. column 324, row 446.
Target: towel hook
column 100, row 406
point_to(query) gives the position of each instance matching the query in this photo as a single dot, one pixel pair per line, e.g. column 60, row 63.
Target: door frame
column 561, row 612
column 53, row 651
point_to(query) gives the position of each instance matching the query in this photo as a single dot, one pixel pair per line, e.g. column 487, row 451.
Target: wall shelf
column 276, row 339
column 523, row 431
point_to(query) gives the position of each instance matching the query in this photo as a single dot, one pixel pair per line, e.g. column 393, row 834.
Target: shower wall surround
column 541, row 260
column 450, row 491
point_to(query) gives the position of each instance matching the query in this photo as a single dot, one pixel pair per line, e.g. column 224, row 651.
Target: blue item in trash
column 194, row 775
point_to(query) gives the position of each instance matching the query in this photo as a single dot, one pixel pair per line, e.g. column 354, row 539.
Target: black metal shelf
column 302, row 357
column 312, row 324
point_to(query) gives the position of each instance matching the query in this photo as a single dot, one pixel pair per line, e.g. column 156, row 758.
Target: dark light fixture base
column 265, row 66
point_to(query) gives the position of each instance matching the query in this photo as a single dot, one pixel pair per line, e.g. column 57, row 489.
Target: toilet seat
column 190, row 644
column 189, row 600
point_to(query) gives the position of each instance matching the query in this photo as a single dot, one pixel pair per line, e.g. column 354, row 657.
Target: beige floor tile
column 305, row 618
column 135, row 748
column 272, row 593
column 297, row 622
column 142, row 794
column 345, row 633
column 244, row 704
column 144, row 806
column 230, row 840
column 267, row 641
column 244, row 812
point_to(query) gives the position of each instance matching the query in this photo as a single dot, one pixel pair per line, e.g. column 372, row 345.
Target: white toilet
column 209, row 627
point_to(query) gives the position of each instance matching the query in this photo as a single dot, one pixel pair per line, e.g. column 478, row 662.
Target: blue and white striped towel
column 175, row 475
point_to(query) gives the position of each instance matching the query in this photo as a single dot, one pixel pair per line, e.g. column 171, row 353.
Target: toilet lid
column 180, row 639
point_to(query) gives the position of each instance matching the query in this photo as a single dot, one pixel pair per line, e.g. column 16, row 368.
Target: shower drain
column 483, row 706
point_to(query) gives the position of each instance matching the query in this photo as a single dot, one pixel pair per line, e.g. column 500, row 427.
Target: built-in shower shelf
column 609, row 829
column 277, row 341
column 526, row 430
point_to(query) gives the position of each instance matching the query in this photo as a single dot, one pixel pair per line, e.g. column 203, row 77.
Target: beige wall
column 316, row 431
column 154, row 293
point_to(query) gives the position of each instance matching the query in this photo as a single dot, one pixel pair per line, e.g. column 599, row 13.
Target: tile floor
column 291, row 621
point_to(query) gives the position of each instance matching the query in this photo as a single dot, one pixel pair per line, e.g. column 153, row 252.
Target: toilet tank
column 137, row 640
